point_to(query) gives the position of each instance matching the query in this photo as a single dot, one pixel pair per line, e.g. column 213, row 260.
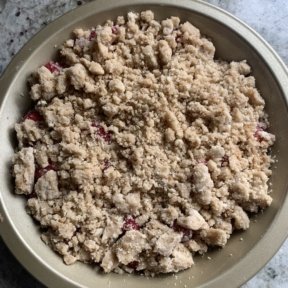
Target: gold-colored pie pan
column 228, row 267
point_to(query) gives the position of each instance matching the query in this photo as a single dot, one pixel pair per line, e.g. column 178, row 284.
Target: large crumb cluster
column 142, row 150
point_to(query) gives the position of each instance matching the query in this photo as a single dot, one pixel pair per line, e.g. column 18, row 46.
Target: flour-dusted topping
column 130, row 246
column 181, row 258
column 46, row 186
column 203, row 183
column 113, row 228
column 110, row 261
column 241, row 218
column 141, row 150
column 24, row 170
column 215, row 237
column 194, row 221
column 28, row 131
column 166, row 243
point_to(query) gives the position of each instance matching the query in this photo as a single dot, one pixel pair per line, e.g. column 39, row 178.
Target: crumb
column 142, row 149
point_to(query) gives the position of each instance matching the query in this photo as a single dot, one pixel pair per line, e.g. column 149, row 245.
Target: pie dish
column 233, row 41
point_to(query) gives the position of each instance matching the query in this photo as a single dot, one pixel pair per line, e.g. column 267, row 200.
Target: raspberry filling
column 34, row 116
column 39, row 172
column 259, row 128
column 92, row 35
column 106, row 164
column 114, row 29
column 102, row 133
column 130, row 224
column 53, row 67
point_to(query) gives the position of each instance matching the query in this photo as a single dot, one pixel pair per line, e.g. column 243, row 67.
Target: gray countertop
column 20, row 20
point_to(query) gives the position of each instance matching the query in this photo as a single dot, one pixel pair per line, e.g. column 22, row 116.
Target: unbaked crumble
column 142, row 149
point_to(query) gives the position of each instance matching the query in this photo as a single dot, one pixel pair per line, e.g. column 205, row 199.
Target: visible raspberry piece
column 34, row 116
column 39, row 172
column 106, row 164
column 259, row 128
column 187, row 233
column 130, row 224
column 101, row 132
column 92, row 35
column 224, row 161
column 133, row 265
column 115, row 29
column 53, row 67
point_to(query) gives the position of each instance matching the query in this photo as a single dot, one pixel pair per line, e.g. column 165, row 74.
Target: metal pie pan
column 228, row 267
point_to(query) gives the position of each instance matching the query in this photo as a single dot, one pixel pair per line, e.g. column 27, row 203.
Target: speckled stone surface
column 21, row 19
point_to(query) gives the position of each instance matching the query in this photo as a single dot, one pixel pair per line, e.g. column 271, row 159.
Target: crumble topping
column 142, row 149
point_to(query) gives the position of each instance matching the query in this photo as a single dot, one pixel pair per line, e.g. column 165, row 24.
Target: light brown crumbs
column 142, row 149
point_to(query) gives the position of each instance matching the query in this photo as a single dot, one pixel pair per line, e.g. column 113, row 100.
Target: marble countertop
column 20, row 20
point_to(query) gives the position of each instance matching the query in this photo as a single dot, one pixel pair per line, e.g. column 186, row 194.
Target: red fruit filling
column 53, row 67
column 114, row 29
column 130, row 224
column 101, row 132
column 106, row 164
column 34, row 116
column 92, row 35
column 39, row 172
column 259, row 128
